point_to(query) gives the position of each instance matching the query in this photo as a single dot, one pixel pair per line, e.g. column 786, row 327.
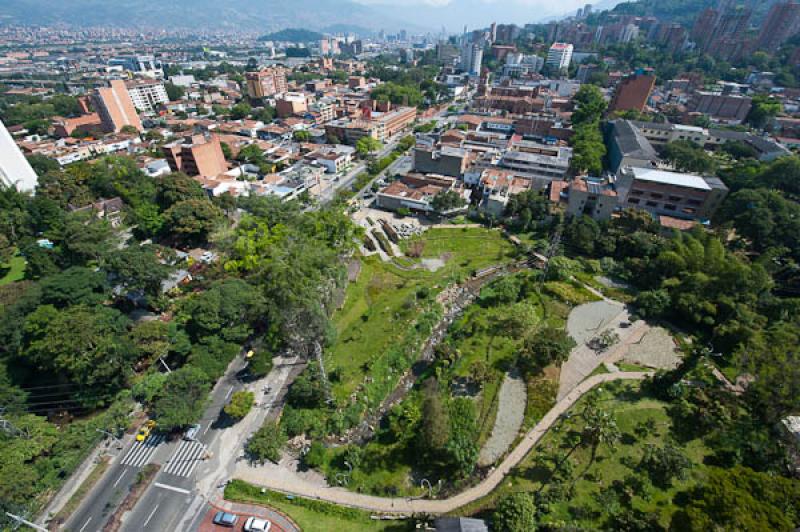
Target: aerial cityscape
column 367, row 265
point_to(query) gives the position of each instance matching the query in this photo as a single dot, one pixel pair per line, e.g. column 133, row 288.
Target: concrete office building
column 15, row 171
column 447, row 160
column 590, row 196
column 144, row 65
column 196, row 156
column 115, row 107
column 674, row 194
column 732, row 108
column 627, row 146
column 560, row 55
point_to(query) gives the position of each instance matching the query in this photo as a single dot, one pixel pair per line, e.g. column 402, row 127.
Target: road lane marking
column 229, row 393
column 120, row 478
column 173, row 488
column 85, row 525
column 149, row 517
column 206, row 429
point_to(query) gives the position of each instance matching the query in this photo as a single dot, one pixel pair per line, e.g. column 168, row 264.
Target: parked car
column 225, row 519
column 254, row 524
column 145, row 430
column 191, row 433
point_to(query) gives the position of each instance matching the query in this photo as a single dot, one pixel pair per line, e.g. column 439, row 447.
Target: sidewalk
column 277, row 479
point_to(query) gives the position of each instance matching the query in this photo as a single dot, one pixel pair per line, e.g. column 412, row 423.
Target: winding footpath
column 270, row 478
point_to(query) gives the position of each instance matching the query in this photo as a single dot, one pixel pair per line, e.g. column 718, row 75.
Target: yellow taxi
column 145, row 430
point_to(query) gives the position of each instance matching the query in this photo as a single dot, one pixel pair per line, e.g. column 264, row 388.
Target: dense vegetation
column 100, row 313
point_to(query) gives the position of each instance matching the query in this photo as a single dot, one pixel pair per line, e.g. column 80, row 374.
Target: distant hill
column 235, row 15
column 292, row 35
column 685, row 11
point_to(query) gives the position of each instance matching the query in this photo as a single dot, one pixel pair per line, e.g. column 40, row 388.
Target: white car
column 254, row 524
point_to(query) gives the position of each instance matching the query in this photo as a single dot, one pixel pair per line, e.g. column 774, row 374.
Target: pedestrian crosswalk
column 141, row 452
column 185, row 459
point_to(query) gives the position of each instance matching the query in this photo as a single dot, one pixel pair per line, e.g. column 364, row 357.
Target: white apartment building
column 147, row 96
column 15, row 171
column 560, row 55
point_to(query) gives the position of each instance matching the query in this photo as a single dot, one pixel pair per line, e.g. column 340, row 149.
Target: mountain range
column 250, row 15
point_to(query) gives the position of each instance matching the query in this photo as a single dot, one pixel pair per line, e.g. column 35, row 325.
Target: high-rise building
column 267, row 82
column 559, row 56
column 782, row 23
column 703, row 27
column 115, row 107
column 471, row 58
column 196, row 156
column 147, row 95
column 15, row 171
column 632, row 93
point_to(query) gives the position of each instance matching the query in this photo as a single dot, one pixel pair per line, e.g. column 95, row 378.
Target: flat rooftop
column 670, row 178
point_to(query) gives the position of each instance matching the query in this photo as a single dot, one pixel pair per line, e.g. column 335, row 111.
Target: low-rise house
column 415, row 192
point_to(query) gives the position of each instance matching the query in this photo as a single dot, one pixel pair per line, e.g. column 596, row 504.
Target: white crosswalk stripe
column 185, row 459
column 141, row 452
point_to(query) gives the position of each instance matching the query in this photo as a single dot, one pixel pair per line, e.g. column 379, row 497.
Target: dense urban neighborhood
column 287, row 273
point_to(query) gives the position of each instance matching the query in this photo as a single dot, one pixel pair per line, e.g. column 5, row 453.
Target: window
column 674, row 198
column 633, row 201
column 651, row 204
column 656, row 195
column 669, row 207
column 694, row 202
column 636, row 192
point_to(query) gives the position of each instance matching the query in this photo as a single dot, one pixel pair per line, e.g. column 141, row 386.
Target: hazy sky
column 453, row 14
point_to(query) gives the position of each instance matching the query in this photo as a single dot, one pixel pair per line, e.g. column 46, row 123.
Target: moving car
column 254, row 524
column 225, row 519
column 145, row 430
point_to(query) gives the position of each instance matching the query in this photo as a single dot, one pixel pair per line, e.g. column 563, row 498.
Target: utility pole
column 24, row 521
column 324, row 376
column 552, row 249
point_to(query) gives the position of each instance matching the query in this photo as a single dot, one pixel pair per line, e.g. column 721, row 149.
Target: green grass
column 384, row 304
column 310, row 515
column 571, row 293
column 625, row 366
column 631, row 407
column 13, row 270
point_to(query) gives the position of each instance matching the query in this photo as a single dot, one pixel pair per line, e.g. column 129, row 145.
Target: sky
column 454, row 14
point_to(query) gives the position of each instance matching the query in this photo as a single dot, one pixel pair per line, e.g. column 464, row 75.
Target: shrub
column 266, row 443
column 240, row 404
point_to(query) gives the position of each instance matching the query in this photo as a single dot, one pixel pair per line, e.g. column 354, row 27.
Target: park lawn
column 630, row 406
column 13, row 270
column 311, row 515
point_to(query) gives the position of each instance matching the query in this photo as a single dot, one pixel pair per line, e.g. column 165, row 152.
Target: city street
column 190, row 471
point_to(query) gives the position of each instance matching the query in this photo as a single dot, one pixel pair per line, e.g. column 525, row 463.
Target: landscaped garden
column 516, row 325
column 664, row 453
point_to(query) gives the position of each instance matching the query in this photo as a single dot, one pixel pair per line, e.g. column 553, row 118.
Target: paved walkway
column 586, row 322
column 510, row 415
column 287, row 483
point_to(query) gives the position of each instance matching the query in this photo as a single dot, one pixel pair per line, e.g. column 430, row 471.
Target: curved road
column 296, row 486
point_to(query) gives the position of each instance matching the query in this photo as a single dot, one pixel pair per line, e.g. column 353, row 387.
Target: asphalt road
column 111, row 489
column 174, row 502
